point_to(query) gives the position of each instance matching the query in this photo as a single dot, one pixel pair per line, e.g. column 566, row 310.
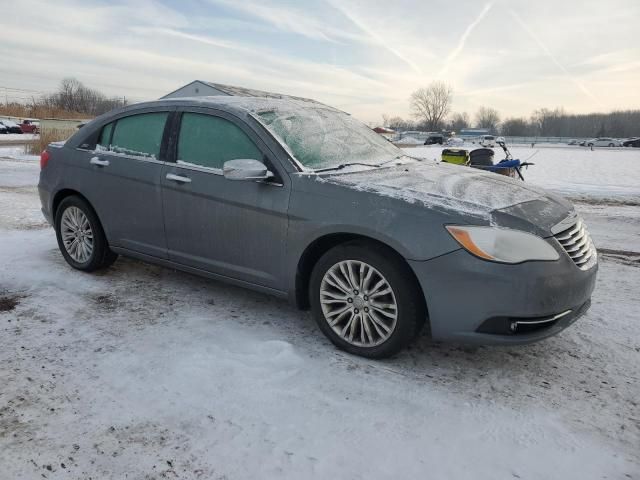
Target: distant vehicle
column 632, row 142
column 454, row 142
column 487, row 141
column 603, row 142
column 30, row 126
column 434, row 138
column 573, row 142
column 12, row 127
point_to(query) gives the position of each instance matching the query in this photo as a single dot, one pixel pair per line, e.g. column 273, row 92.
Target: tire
column 611, row 145
column 589, row 144
column 93, row 252
column 373, row 333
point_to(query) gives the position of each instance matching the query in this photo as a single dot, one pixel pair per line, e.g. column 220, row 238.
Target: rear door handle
column 98, row 162
column 178, row 178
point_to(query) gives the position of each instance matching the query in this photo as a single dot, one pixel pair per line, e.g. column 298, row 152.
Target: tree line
column 72, row 99
column 431, row 109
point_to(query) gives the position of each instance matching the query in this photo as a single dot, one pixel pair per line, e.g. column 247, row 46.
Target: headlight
column 502, row 244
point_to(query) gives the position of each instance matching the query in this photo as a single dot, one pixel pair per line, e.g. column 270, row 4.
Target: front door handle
column 178, row 178
column 98, row 162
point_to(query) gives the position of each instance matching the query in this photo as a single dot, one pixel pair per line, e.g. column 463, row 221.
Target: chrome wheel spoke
column 77, row 235
column 361, row 315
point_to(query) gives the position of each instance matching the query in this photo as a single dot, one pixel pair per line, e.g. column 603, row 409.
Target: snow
column 145, row 372
column 576, row 172
column 409, row 141
column 17, row 152
column 17, row 137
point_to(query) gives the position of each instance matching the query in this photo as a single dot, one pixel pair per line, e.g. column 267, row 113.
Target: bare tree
column 488, row 118
column 74, row 96
column 517, row 127
column 399, row 124
column 432, row 104
column 459, row 121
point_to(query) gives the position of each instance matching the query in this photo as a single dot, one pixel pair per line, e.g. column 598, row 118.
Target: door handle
column 178, row 178
column 98, row 162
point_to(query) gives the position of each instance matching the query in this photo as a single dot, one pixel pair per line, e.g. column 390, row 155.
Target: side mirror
column 245, row 169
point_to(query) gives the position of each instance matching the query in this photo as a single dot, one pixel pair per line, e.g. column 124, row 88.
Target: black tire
column 101, row 255
column 611, row 145
column 411, row 311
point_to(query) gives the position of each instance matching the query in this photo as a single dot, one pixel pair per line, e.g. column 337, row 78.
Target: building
column 199, row 88
column 473, row 132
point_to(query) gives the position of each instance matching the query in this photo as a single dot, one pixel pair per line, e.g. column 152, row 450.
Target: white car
column 487, row 141
column 604, row 142
column 455, row 142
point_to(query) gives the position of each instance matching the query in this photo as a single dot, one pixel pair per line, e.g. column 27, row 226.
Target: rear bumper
column 44, row 201
column 475, row 301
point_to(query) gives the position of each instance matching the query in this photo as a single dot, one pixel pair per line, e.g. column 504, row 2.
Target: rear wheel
column 611, row 145
column 80, row 236
column 365, row 300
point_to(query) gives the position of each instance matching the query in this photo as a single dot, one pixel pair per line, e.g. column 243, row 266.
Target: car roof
column 236, row 104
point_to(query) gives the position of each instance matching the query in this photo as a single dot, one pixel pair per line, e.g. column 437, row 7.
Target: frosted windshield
column 324, row 138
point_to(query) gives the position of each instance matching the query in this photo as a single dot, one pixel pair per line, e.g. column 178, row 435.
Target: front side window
column 105, row 136
column 209, row 141
column 136, row 136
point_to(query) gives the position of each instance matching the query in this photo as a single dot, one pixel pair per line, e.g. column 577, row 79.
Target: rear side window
column 137, row 136
column 210, row 141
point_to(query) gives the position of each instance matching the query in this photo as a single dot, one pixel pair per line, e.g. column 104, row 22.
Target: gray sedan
column 299, row 200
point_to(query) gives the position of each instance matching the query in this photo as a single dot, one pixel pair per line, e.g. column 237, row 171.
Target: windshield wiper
column 398, row 158
column 344, row 165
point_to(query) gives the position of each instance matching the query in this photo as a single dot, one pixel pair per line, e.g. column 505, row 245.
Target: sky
column 364, row 57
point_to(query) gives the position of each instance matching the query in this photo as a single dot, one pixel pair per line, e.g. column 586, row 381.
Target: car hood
column 489, row 197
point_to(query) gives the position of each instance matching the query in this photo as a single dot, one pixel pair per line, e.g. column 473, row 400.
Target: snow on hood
column 442, row 185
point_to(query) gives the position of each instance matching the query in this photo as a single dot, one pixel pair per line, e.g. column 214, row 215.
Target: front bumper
column 475, row 301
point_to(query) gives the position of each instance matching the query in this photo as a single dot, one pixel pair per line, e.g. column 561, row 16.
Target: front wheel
column 80, row 236
column 366, row 300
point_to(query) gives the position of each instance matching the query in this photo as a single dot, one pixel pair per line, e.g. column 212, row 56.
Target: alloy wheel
column 358, row 303
column 77, row 235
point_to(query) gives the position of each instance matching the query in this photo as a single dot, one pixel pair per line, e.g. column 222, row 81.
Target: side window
column 210, row 141
column 138, row 135
column 105, row 137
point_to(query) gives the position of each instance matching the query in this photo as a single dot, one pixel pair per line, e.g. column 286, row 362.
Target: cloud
column 553, row 59
column 463, row 39
column 375, row 37
column 289, row 19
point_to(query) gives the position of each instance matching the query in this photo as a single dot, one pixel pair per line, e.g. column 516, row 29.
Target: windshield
column 324, row 138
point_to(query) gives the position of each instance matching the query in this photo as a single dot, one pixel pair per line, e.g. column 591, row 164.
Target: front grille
column 577, row 242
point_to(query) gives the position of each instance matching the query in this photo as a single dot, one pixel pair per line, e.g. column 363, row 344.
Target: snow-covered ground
column 144, row 372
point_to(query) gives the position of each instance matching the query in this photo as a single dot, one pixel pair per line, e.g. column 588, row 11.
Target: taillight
column 44, row 159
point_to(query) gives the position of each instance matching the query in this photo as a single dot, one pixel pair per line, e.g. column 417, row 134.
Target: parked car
column 573, row 142
column 374, row 242
column 434, row 138
column 603, row 142
column 455, row 142
column 487, row 141
column 12, row 127
column 30, row 126
column 632, row 142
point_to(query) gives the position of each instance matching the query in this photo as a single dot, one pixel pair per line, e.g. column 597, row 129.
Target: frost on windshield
column 321, row 137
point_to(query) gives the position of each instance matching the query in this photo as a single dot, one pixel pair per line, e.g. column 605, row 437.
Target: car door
column 236, row 229
column 122, row 181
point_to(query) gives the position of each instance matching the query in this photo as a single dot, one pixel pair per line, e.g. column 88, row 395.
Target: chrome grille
column 578, row 244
